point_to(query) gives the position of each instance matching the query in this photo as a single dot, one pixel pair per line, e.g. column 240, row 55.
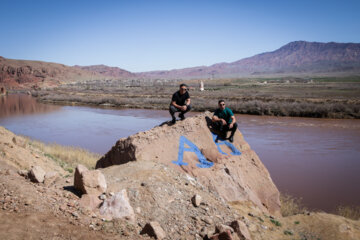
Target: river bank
column 318, row 98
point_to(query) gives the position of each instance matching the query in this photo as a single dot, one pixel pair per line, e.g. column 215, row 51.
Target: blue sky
column 144, row 35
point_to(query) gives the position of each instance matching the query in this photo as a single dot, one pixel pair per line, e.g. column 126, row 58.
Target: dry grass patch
column 352, row 212
column 67, row 156
column 291, row 205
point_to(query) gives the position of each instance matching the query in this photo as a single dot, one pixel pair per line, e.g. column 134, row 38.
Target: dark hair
column 220, row 101
column 183, row 84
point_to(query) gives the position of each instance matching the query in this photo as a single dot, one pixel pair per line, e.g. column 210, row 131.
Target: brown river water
column 317, row 160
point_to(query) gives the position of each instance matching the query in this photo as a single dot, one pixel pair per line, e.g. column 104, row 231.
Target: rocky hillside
column 17, row 74
column 295, row 57
column 34, row 74
column 104, row 70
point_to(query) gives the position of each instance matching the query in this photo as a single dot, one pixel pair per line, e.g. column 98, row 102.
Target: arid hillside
column 24, row 74
column 294, row 58
column 104, row 70
column 148, row 194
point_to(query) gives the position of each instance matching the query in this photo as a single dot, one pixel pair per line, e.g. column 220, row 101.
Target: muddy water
column 316, row 159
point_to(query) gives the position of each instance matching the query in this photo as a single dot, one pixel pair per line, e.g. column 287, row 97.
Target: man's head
column 222, row 104
column 183, row 88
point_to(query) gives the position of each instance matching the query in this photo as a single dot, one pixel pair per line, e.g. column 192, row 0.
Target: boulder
column 153, row 229
column 78, row 176
column 238, row 176
column 118, row 206
column 37, row 174
column 89, row 182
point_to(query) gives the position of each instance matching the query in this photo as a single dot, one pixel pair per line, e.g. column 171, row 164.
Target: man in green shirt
column 224, row 120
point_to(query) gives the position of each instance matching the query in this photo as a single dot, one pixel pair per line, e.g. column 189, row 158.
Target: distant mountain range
column 298, row 57
column 108, row 71
column 295, row 57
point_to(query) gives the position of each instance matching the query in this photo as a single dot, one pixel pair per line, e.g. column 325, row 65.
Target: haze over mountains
column 295, row 57
column 299, row 57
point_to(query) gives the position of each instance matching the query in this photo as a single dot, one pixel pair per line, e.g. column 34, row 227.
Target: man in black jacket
column 180, row 102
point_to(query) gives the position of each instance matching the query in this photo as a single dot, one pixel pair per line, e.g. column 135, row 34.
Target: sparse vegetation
column 67, row 157
column 320, row 97
column 352, row 212
column 291, row 205
column 276, row 222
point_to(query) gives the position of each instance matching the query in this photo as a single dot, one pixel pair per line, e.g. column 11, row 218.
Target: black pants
column 173, row 110
column 225, row 128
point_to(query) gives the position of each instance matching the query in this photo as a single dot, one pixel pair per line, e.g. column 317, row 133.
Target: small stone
column 102, row 197
column 264, row 227
column 111, row 193
column 37, row 174
column 196, row 200
column 153, row 229
column 207, row 220
column 143, row 184
column 23, row 173
column 222, row 228
column 241, row 229
column 27, row 202
column 75, row 214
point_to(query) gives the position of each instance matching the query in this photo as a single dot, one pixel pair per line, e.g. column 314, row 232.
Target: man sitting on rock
column 180, row 102
column 224, row 120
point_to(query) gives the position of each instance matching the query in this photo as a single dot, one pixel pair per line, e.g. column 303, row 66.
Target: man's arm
column 187, row 102
column 217, row 119
column 233, row 120
column 175, row 105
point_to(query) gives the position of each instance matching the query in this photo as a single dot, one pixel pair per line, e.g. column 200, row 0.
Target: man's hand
column 223, row 121
column 183, row 108
column 231, row 125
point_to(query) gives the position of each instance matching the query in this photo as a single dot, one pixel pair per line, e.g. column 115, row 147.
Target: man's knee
column 235, row 125
column 188, row 108
column 172, row 109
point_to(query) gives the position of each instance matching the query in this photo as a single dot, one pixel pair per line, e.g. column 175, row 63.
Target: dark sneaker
column 181, row 116
column 173, row 120
column 231, row 139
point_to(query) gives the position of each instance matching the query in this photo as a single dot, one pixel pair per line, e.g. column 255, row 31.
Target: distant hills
column 108, row 71
column 294, row 58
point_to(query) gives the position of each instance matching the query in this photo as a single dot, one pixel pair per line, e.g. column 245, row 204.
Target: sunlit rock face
column 238, row 175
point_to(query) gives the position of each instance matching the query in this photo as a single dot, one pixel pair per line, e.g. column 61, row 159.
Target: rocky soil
column 139, row 200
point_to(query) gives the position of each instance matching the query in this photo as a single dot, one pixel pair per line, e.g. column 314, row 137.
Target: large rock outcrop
column 238, row 176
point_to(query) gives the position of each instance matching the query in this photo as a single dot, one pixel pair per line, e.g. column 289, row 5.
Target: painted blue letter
column 192, row 148
column 234, row 151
